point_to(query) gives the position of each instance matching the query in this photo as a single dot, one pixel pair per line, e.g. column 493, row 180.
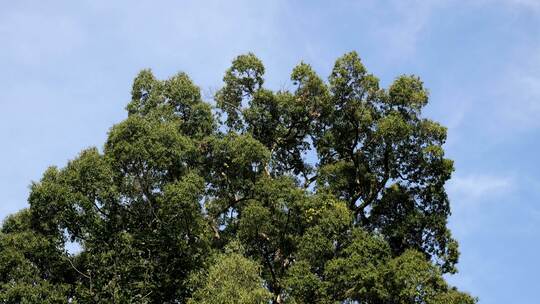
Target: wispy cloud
column 472, row 197
column 534, row 4
column 476, row 188
column 402, row 32
column 519, row 92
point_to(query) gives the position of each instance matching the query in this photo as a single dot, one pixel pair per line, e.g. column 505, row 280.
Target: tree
column 332, row 192
column 231, row 279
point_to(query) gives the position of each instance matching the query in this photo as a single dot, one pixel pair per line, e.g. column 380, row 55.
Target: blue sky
column 67, row 67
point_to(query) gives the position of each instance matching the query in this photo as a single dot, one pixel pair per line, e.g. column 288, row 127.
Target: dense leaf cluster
column 331, row 192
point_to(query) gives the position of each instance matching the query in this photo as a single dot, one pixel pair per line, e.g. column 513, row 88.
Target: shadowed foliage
column 331, row 192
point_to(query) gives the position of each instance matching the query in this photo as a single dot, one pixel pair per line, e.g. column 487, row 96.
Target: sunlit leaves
column 330, row 192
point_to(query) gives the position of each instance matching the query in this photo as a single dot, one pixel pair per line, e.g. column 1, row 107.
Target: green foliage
column 332, row 192
column 232, row 279
column 32, row 267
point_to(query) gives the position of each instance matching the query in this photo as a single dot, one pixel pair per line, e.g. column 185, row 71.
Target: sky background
column 67, row 67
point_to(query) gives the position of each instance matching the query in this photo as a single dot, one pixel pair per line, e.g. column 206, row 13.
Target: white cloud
column 403, row 33
column 520, row 94
column 472, row 197
column 515, row 4
column 475, row 188
column 399, row 25
column 534, row 4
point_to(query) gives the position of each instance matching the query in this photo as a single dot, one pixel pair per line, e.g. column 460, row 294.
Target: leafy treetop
column 332, row 192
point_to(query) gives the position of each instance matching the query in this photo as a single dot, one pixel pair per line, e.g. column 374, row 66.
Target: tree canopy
column 327, row 192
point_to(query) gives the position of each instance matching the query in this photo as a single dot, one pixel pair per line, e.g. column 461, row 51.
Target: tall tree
column 332, row 192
